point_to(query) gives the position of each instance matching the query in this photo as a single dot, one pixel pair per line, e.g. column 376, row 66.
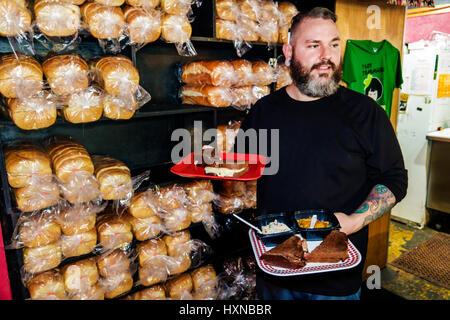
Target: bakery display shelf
column 231, row 42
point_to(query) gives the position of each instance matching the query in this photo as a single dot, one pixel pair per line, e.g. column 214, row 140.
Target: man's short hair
column 315, row 13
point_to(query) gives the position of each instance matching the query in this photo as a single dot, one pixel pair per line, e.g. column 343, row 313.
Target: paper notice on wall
column 419, row 73
column 443, row 86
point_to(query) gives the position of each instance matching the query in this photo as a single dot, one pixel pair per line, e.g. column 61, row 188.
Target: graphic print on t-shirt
column 374, row 89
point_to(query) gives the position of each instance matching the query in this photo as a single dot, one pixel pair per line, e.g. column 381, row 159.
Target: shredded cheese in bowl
column 275, row 227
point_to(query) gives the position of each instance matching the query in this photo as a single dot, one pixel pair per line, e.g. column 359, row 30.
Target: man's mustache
column 324, row 63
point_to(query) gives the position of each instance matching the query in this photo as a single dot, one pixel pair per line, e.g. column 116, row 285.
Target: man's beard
column 313, row 87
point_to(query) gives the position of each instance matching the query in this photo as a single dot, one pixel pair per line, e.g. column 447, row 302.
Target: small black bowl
column 274, row 239
column 316, row 233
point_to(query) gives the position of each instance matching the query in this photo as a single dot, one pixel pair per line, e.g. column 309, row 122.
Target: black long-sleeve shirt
column 332, row 152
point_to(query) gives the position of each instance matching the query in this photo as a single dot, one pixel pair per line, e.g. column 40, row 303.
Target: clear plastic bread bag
column 66, row 74
column 16, row 25
column 84, row 106
column 57, row 24
column 34, row 112
column 282, row 74
column 144, row 25
column 48, row 285
column 219, row 73
column 79, row 218
column 80, row 187
column 268, row 16
column 177, row 29
column 107, row 24
column 114, row 231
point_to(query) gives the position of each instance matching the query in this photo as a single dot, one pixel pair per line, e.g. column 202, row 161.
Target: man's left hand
column 349, row 223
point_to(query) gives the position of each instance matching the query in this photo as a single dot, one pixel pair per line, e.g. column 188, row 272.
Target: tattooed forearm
column 379, row 201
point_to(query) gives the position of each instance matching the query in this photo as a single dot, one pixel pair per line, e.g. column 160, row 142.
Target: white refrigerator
column 421, row 111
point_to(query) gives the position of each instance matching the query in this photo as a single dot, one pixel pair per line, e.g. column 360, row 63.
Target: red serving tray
column 187, row 168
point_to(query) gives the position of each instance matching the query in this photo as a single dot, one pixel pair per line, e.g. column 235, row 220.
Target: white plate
column 354, row 258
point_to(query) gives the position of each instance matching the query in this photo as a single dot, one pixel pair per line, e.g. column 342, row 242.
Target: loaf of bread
column 144, row 3
column 155, row 292
column 263, row 73
column 144, row 25
column 247, row 30
column 198, row 213
column 226, row 29
column 268, row 12
column 268, row 32
column 144, row 204
column 118, row 75
column 96, row 292
column 34, row 112
column 113, row 3
column 114, row 178
column 215, row 73
column 39, row 229
column 243, row 96
column 249, row 8
column 80, row 276
column 231, row 188
column 40, row 259
column 113, row 262
column 153, row 262
column 119, row 107
column 22, row 161
column 243, row 72
column 283, row 76
column 227, row 9
column 176, row 219
column 177, row 243
column 78, row 244
column 176, row 7
column 48, row 285
column 57, row 18
column 228, row 205
column 180, row 286
column 67, row 157
column 149, row 249
column 210, row 96
column 84, row 106
column 179, row 264
column 80, row 187
column 226, row 135
column 20, row 76
column 117, row 284
column 259, row 91
column 145, row 228
column 176, row 29
column 203, row 277
column 43, row 192
column 287, row 12
column 171, row 197
column 77, row 219
column 199, row 191
column 105, row 22
column 15, row 19
column 66, row 74
column 114, row 231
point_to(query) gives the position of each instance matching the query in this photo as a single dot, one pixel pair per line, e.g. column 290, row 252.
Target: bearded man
column 337, row 151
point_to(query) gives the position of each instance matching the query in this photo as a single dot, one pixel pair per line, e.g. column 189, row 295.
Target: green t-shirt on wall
column 374, row 69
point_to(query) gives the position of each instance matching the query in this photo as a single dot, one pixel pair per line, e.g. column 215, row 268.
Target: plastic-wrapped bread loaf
column 153, row 260
column 34, row 112
column 113, row 3
column 84, row 106
column 199, row 191
column 226, row 29
column 20, row 76
column 38, row 229
column 247, row 30
column 78, row 244
column 176, row 7
column 287, row 12
column 243, row 96
column 249, row 9
column 203, row 279
column 80, row 276
column 118, row 75
column 15, row 19
column 96, row 292
column 227, row 9
column 268, row 12
column 175, row 29
column 155, row 292
column 144, row 204
column 145, row 228
column 215, row 73
column 259, row 91
column 144, row 25
column 263, row 73
column 144, row 3
column 226, row 135
column 180, row 286
column 66, row 74
column 77, row 219
column 210, row 96
column 23, row 160
column 48, row 285
column 119, row 107
column 112, row 262
column 283, row 76
column 114, row 231
column 43, row 258
column 243, row 72
column 57, row 18
column 117, row 284
column 268, row 32
column 114, row 178
column 176, row 243
column 41, row 193
column 68, row 157
column 105, row 22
